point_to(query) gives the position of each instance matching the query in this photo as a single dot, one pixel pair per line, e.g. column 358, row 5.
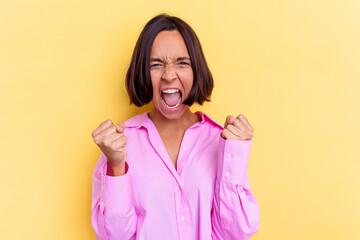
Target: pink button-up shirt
column 207, row 197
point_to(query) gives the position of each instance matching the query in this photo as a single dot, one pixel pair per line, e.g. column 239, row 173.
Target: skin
column 170, row 67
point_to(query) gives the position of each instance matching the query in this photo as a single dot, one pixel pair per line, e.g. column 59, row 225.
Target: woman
column 170, row 173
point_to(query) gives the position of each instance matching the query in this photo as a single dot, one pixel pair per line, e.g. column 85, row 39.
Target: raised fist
column 237, row 128
column 111, row 140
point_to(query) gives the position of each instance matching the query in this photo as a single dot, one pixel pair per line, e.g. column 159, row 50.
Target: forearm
column 235, row 210
column 113, row 212
column 114, row 171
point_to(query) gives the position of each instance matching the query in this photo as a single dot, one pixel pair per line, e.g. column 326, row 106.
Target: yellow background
column 292, row 67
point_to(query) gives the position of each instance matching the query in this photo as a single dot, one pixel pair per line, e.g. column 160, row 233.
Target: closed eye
column 155, row 65
column 183, row 63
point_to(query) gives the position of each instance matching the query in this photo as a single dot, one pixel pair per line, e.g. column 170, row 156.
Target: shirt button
column 182, row 218
column 228, row 155
column 227, row 174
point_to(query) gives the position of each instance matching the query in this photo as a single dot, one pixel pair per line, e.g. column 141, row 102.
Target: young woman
column 170, row 173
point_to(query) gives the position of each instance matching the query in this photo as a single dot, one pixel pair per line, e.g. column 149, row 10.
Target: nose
column 169, row 73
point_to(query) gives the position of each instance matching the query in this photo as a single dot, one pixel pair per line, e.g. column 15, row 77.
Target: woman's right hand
column 111, row 140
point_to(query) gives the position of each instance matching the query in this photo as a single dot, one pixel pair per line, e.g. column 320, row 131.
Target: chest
column 172, row 143
column 153, row 180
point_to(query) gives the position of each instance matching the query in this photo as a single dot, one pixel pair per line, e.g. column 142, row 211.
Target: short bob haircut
column 138, row 80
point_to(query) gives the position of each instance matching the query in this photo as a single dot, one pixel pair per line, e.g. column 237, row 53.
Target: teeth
column 171, row 106
column 170, row 91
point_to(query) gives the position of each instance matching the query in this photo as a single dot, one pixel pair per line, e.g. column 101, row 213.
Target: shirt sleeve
column 113, row 212
column 235, row 212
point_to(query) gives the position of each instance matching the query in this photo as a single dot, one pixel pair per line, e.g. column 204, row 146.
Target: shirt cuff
column 233, row 157
column 117, row 196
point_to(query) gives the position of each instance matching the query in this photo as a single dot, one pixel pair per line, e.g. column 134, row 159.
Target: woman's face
column 171, row 74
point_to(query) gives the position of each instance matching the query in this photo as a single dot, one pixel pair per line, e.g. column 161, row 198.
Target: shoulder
column 207, row 120
column 135, row 121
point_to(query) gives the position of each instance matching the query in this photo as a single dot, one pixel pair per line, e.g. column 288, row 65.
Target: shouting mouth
column 171, row 97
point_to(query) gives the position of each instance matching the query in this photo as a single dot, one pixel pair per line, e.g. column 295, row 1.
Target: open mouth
column 171, row 98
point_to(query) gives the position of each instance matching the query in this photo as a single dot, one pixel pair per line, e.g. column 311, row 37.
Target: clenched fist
column 111, row 140
column 237, row 128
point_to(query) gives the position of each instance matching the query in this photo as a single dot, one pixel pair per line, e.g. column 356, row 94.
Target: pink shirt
column 207, row 197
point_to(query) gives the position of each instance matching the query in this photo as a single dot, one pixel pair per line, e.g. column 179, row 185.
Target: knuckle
column 110, row 130
column 243, row 134
column 115, row 146
column 112, row 147
column 248, row 136
column 107, row 142
column 104, row 123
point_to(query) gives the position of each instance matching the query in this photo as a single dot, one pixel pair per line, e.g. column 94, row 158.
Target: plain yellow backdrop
column 292, row 67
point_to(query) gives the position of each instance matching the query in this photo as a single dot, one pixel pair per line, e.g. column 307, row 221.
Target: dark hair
column 138, row 80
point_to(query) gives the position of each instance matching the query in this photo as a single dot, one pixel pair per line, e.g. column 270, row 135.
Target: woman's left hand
column 237, row 128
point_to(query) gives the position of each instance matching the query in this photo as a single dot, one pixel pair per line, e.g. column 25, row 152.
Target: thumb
column 120, row 127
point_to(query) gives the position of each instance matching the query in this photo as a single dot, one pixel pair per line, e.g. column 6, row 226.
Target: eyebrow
column 178, row 59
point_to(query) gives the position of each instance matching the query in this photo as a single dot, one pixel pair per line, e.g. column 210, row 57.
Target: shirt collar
column 142, row 120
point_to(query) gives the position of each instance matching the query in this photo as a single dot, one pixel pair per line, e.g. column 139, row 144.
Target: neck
column 183, row 123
